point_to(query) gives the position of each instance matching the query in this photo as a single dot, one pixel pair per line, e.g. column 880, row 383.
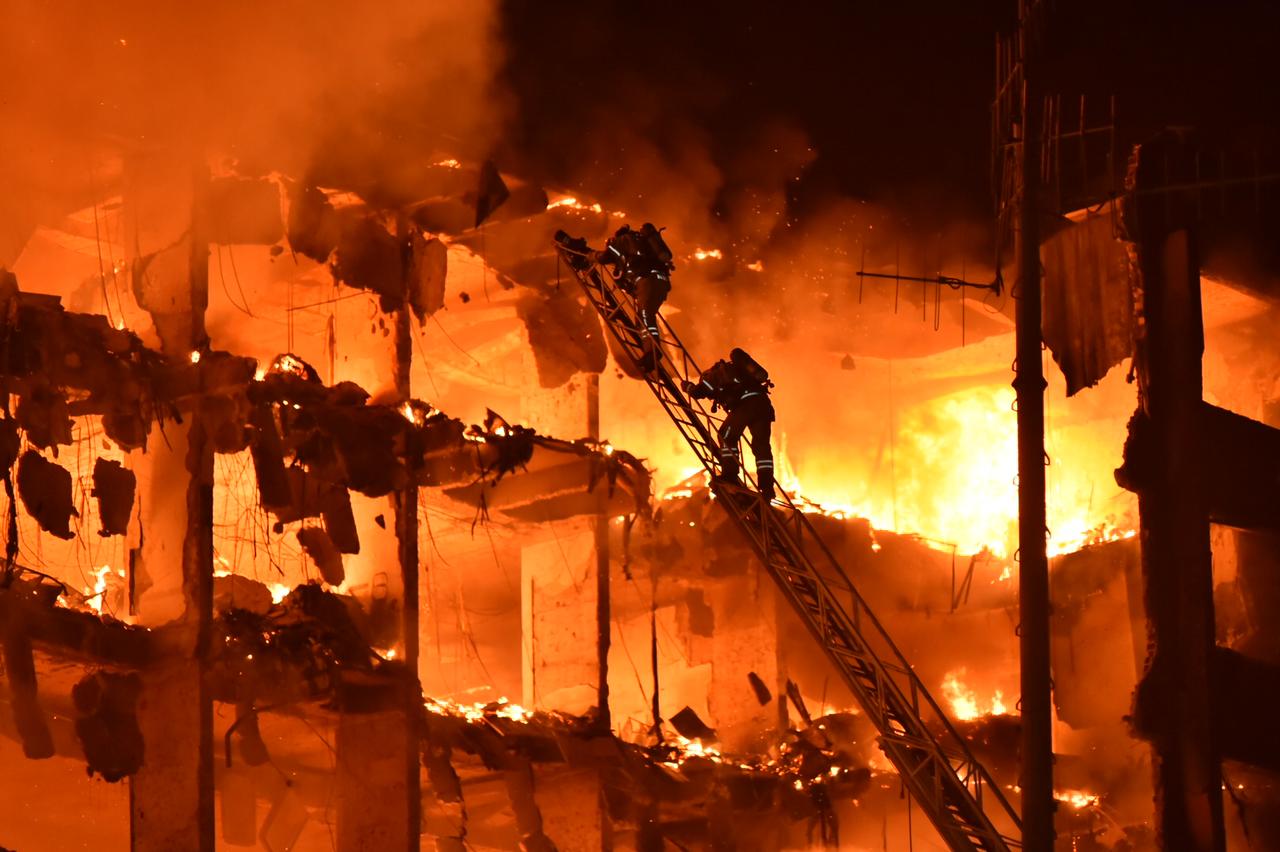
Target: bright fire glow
column 195, row 356
column 449, row 164
column 964, row 701
column 502, row 709
column 953, row 478
column 1078, row 799
column 95, row 596
column 574, row 204
column 279, row 591
column 688, row 748
column 288, row 363
column 707, row 254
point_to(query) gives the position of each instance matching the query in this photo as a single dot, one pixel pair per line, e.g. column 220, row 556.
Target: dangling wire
column 862, row 267
column 937, row 306
column 897, row 274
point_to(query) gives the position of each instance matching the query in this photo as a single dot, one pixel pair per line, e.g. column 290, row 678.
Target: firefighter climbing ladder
column 956, row 792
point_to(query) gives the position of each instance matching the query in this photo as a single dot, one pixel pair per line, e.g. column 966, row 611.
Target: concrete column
column 567, row 577
column 561, row 669
column 379, row 777
column 373, row 795
column 572, row 805
column 744, row 639
column 171, row 576
column 1174, row 699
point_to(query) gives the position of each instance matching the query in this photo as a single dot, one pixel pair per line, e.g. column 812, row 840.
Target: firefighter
column 740, row 386
column 641, row 262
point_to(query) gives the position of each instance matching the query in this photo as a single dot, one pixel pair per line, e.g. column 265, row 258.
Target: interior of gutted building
column 347, row 506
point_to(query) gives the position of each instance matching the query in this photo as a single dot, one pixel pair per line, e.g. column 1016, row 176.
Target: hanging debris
column 368, row 257
column 427, row 282
column 267, row 452
column 316, row 542
column 10, row 442
column 313, row 226
column 564, row 334
column 113, row 487
column 44, row 417
column 45, row 489
column 107, row 723
column 243, row 211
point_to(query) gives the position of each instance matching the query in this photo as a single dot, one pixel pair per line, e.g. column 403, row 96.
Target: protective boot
column 728, row 470
column 767, row 489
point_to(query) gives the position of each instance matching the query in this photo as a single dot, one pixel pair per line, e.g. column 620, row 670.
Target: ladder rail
column 882, row 698
column 934, row 762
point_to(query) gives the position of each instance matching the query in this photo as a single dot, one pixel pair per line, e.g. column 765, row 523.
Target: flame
column 756, row 266
column 687, row 748
column 449, row 164
column 289, row 363
column 279, row 591
column 1078, row 799
column 95, row 596
column 965, row 704
column 195, row 356
column 574, row 204
column 514, row 712
column 707, row 254
column 955, row 476
column 502, row 709
column 694, row 479
column 1105, row 532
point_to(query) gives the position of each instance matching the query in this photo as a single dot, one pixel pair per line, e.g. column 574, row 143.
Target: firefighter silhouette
column 641, row 263
column 740, row 386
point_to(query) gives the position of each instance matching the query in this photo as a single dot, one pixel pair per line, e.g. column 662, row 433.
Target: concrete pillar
column 558, row 581
column 171, row 796
column 379, row 777
column 1173, row 703
column 565, row 580
column 171, row 577
column 744, row 639
column 573, row 812
column 372, row 795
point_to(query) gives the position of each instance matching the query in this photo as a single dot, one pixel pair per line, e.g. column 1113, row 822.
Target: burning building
column 342, row 511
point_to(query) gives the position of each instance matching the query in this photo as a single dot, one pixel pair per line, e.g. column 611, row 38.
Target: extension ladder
column 957, row 793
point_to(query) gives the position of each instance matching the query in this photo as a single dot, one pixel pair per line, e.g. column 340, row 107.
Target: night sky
column 894, row 97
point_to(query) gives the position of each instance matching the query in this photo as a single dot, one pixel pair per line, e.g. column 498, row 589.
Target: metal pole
column 1038, row 804
column 604, row 613
column 406, row 510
